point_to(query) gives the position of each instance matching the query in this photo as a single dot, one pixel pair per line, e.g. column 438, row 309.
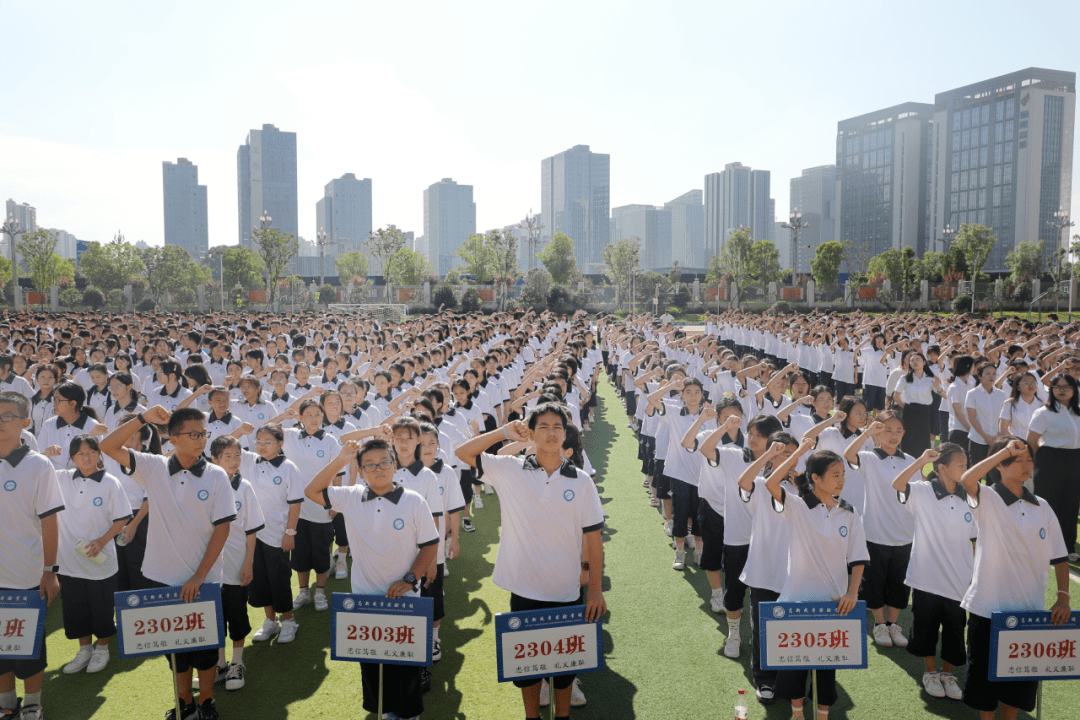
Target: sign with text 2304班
column 158, row 622
column 812, row 636
column 544, row 643
column 22, row 624
column 1028, row 646
column 375, row 628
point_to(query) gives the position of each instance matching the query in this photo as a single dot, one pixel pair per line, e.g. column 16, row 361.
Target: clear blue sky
column 97, row 95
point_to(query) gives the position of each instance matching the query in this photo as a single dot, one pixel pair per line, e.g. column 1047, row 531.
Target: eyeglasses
column 8, row 417
column 1061, row 387
column 384, row 465
column 266, row 443
column 1032, row 383
column 194, row 435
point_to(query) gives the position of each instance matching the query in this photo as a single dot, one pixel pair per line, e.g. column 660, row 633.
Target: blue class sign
column 158, row 622
column 1027, row 645
column 535, row 644
column 22, row 624
column 378, row 629
column 812, row 636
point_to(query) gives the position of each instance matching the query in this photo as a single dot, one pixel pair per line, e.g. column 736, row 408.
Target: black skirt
column 917, row 419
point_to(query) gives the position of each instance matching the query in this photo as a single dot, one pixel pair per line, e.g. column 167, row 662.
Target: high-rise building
column 882, row 177
column 735, row 198
column 67, row 245
column 813, row 194
column 688, row 229
column 1002, row 157
column 26, row 216
column 575, row 199
column 449, row 220
column 186, row 223
column 266, row 181
column 344, row 214
column 652, row 226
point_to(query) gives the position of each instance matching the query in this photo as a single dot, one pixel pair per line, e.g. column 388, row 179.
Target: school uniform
column 1019, row 414
column 711, row 506
column 314, row 531
column 277, row 485
column 1056, row 463
column 14, row 383
column 987, row 406
column 249, row 521
column 168, row 400
column 41, row 409
column 738, row 523
column 113, row 417
column 918, row 412
column 682, row 469
column 452, row 502
column 97, row 400
column 57, row 431
column 258, row 415
column 129, row 556
column 889, row 530
column 957, row 395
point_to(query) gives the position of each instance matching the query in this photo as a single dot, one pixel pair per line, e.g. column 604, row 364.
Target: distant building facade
column 266, row 181
column 651, row 225
column 185, row 207
column 344, row 214
column 735, row 198
column 688, row 229
column 575, row 199
column 449, row 220
column 813, row 194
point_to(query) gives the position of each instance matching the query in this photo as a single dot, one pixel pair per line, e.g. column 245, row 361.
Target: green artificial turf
column 662, row 645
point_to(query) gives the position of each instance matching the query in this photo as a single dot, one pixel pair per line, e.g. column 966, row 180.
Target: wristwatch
column 410, row 578
column 290, row 532
column 585, row 565
column 52, row 569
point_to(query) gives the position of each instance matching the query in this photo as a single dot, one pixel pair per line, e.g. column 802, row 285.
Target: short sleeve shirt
column 93, row 504
column 31, row 492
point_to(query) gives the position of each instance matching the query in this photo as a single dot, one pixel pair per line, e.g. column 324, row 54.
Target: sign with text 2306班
column 22, row 624
column 158, row 622
column 375, row 628
column 812, row 636
column 1028, row 646
column 544, row 643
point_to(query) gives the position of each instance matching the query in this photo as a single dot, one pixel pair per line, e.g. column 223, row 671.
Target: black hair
column 818, row 463
column 546, row 408
column 782, row 437
column 273, row 429
column 999, row 444
column 1074, row 403
column 764, row 425
column 198, row 375
column 181, row 416
column 148, row 435
column 910, row 377
column 371, row 446
column 947, row 451
column 17, row 399
column 961, row 365
column 79, row 440
column 572, row 441
column 73, row 391
column 170, row 367
column 220, row 443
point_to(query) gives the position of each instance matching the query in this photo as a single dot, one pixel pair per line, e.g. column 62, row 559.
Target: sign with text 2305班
column 812, row 636
column 377, row 629
column 158, row 622
column 544, row 643
column 1028, row 646
column 22, row 624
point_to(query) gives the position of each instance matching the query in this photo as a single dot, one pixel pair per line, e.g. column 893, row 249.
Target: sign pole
column 1038, row 703
column 813, row 682
column 551, row 695
column 176, row 687
column 379, row 717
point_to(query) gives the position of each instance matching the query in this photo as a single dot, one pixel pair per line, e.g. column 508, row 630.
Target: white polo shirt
column 186, row 506
column 93, row 504
column 919, row 391
column 249, row 520
column 30, row 492
column 56, row 431
column 987, row 406
column 385, row 533
column 258, row 415
column 216, row 427
column 957, row 395
column 419, row 478
column 710, row 477
column 941, row 555
column 543, row 519
column 277, row 485
column 738, row 521
column 680, row 463
column 887, row 522
column 113, row 417
column 1059, row 429
column 14, row 383
column 310, row 453
column 168, row 400
column 135, row 492
column 1018, row 538
column 766, row 566
column 452, row 499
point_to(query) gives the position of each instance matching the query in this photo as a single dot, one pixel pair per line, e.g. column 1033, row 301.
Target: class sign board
column 158, row 622
column 22, row 624
column 535, row 644
column 1029, row 646
column 812, row 636
column 378, row 629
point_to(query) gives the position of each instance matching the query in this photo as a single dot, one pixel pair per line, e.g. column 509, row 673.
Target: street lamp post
column 531, row 226
column 322, row 240
column 12, row 229
column 947, row 236
column 1060, row 222
column 794, row 224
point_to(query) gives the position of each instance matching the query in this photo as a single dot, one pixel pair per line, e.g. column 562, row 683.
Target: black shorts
column 26, row 669
column 129, row 560
column 874, row 397
column 712, row 537
column 979, row 692
column 271, row 580
column 930, row 612
column 312, row 551
column 520, row 604
column 435, row 592
column 204, row 659
column 684, row 507
column 792, row 685
column 734, row 588
column 883, row 582
column 234, row 610
column 340, row 536
column 402, row 689
column 663, row 486
column 88, row 607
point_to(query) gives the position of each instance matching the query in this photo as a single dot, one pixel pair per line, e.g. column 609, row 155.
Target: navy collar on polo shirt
column 817, row 420
column 96, row 476
column 340, row 424
column 305, row 386
column 449, row 413
column 224, row 419
column 845, row 433
column 284, row 397
column 276, row 462
column 235, row 481
column 414, row 467
column 197, row 469
column 165, row 391
column 812, row 502
column 16, row 456
column 467, row 405
column 130, row 407
column 363, row 406
column 941, row 493
column 882, row 454
column 10, row 379
column 318, row 434
column 437, row 466
column 566, row 469
column 747, row 455
column 739, row 440
column 393, row 496
column 37, row 398
column 80, row 422
column 1008, row 498
column 216, row 362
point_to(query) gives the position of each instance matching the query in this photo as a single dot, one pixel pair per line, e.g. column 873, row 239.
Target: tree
column 558, row 258
column 825, row 267
column 70, row 297
column 1025, row 262
column 444, row 296
column 857, row 258
column 620, row 260
column 765, row 263
column 110, row 265
column 5, row 271
column 651, row 285
column 352, row 264
column 94, row 298
column 382, row 246
column 239, row 264
column 536, row 290
column 276, row 249
column 478, row 256
column 889, row 264
column 674, row 274
column 735, row 261
column 43, row 264
column 408, row 267
column 170, row 269
column 974, row 243
column 470, row 300
column 931, row 267
column 504, row 248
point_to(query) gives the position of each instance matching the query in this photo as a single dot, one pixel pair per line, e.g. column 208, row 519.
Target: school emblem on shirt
column 967, row 517
column 843, row 531
column 399, row 524
column 262, row 416
column 321, row 453
column 568, row 495
column 97, row 502
column 1042, row 533
column 277, row 479
column 238, row 505
column 10, row 485
column 204, row 495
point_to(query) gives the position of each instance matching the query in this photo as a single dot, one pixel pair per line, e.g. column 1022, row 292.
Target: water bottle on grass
column 740, row 706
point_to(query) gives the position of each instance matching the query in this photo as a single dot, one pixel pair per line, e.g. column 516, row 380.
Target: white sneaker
column 897, row 635
column 269, row 629
column 341, row 570
column 436, row 651
column 697, row 556
column 234, row 680
column 577, row 698
column 81, row 660
column 99, row 658
column 668, row 530
column 545, row 694
column 488, row 490
column 733, row 645
column 477, row 502
column 288, row 631
column 1074, row 557
column 302, row 598
column 446, row 570
column 952, row 689
column 655, row 502
column 716, row 602
column 680, row 560
column 931, row 683
column 690, row 542
column 882, row 636
column 320, row 600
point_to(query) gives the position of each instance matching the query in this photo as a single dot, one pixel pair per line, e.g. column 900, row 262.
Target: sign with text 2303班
column 812, row 636
column 1029, row 646
column 158, row 622
column 543, row 643
column 22, row 624
column 377, row 629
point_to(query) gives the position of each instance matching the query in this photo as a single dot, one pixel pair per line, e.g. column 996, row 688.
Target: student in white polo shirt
column 1019, row 536
column 72, row 418
column 983, row 406
column 9, row 381
column 941, row 563
column 28, row 541
column 171, row 391
column 192, row 509
column 549, row 508
column 394, row 542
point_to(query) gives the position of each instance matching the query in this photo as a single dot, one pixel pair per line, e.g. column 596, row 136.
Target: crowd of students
column 149, row 451
column 896, row 459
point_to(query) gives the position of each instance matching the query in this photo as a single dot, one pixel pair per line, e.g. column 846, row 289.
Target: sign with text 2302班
column 22, row 624
column 158, row 622
column 812, row 636
column 1028, row 646
column 544, row 643
column 375, row 628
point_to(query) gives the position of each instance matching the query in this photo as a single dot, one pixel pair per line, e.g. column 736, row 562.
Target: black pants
column 402, row 691
column 792, row 685
column 88, row 607
column 712, row 537
column 960, row 437
column 977, row 452
column 734, row 588
column 843, row 389
column 129, row 559
column 435, row 592
column 883, row 583
column 684, row 507
column 917, row 423
column 979, row 692
column 1056, row 482
column 929, row 613
column 762, row 678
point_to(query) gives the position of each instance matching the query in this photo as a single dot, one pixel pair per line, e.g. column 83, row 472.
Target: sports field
column 662, row 644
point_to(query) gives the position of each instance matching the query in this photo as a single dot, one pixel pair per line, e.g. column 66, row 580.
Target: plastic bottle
column 741, row 712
